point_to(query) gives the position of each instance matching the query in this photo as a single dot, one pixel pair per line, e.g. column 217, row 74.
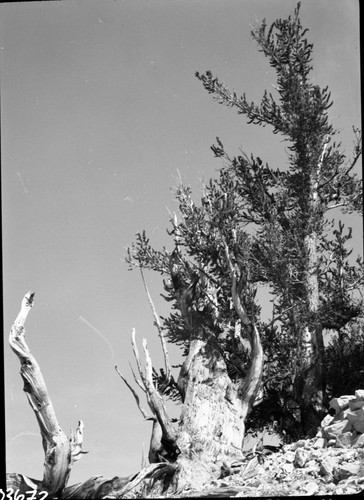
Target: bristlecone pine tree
column 236, row 369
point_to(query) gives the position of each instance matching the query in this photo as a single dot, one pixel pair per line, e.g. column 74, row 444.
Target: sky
column 101, row 114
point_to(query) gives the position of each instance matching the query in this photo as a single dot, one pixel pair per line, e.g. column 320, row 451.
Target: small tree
column 307, row 270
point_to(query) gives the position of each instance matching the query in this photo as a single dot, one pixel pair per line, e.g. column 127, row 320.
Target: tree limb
column 159, row 328
column 136, row 397
column 249, row 386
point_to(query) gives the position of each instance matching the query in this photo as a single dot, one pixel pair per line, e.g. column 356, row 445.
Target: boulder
column 344, row 471
column 301, row 457
column 359, row 394
column 344, row 440
column 358, row 441
column 327, row 420
column 338, row 404
column 327, row 466
column 337, row 428
column 359, row 426
column 289, row 457
column 356, row 418
column 320, row 443
column 355, row 404
column 299, row 444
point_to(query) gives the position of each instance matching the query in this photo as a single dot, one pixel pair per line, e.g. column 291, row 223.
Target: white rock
column 333, row 430
column 301, row 457
column 289, row 457
column 350, row 491
column 340, row 403
column 311, row 488
column 345, row 470
column 320, row 443
column 327, row 420
column 327, row 466
column 288, row 468
column 359, row 394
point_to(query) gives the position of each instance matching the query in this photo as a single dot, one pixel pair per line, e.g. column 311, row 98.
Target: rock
column 359, row 394
column 315, row 454
column 356, row 418
column 344, row 440
column 310, row 488
column 354, row 415
column 301, row 457
column 327, row 466
column 299, row 444
column 312, row 467
column 331, row 442
column 350, row 491
column 359, row 426
column 288, row 468
column 320, row 443
column 340, row 403
column 355, row 404
column 334, row 430
column 344, row 471
column 327, row 420
column 289, row 457
column 358, row 441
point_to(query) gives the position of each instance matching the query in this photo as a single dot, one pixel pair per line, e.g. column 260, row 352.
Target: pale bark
column 159, row 328
column 60, row 451
column 312, row 346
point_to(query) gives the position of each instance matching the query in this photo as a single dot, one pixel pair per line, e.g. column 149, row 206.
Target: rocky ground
column 298, row 469
column 332, row 463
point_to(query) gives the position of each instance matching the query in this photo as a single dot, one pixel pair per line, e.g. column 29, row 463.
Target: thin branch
column 235, row 296
column 139, row 382
column 344, row 204
column 137, row 359
column 136, row 397
column 159, row 328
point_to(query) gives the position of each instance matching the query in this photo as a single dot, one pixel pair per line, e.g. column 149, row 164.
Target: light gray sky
column 100, row 111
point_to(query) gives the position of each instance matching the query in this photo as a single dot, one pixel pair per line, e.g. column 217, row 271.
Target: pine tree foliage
column 274, row 223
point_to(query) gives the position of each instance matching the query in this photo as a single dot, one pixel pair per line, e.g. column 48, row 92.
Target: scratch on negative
column 22, row 182
column 81, row 318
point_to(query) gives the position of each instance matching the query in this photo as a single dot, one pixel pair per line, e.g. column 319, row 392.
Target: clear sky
column 100, row 113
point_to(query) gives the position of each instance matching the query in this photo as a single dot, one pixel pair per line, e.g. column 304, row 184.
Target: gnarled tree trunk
column 209, row 434
column 60, row 451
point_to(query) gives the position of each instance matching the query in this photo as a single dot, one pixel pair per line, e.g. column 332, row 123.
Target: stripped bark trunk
column 60, row 451
column 312, row 346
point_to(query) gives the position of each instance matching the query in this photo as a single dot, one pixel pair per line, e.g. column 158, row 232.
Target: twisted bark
column 60, row 451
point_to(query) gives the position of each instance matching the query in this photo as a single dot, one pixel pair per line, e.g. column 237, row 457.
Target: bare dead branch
column 60, row 452
column 136, row 397
column 139, row 382
column 137, row 359
column 159, row 328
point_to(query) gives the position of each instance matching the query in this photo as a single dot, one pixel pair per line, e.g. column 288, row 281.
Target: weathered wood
column 60, row 451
